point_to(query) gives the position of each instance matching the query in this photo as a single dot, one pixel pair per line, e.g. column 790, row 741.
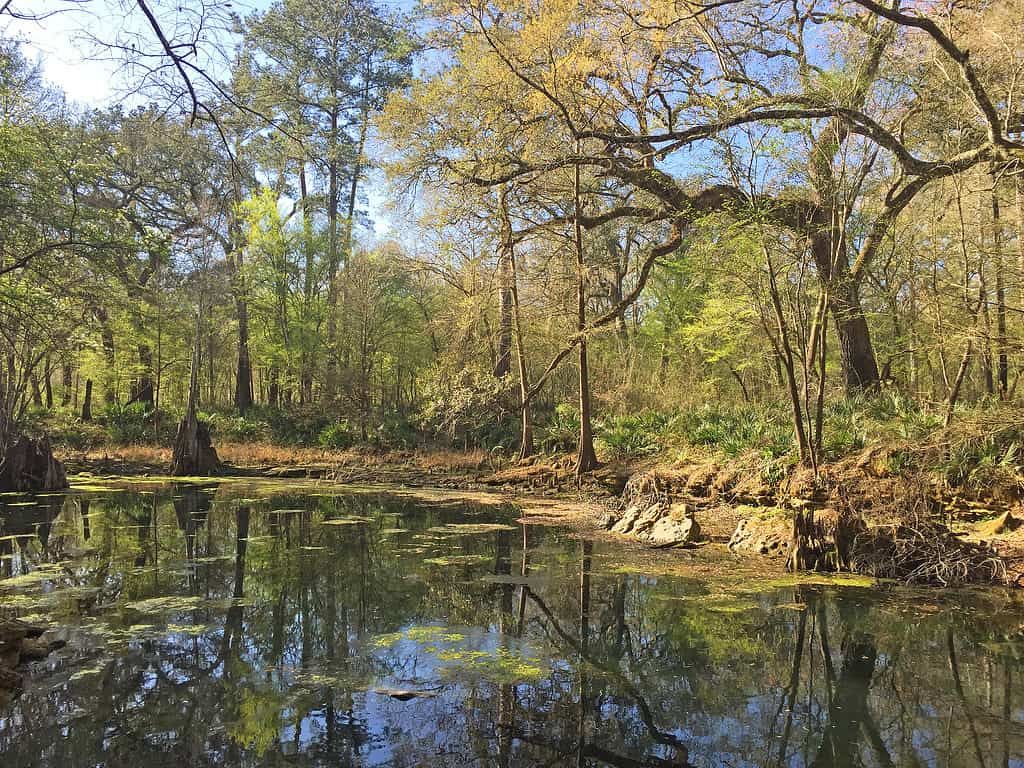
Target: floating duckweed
column 457, row 560
column 188, row 629
column 469, row 528
column 164, row 604
column 729, row 605
column 503, row 666
column 814, row 579
column 415, row 634
column 353, row 520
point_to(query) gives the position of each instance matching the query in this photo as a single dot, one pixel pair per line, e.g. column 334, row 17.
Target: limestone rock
column 628, row 520
column 648, row 518
column 763, row 535
column 672, row 532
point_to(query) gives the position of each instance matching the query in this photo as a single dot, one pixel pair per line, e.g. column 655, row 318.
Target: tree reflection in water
column 232, row 626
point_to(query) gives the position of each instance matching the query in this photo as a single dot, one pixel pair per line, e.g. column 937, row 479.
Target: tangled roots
column 924, row 552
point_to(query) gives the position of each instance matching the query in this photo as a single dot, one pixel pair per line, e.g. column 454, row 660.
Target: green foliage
column 233, row 428
column 299, row 425
column 737, row 430
column 644, row 434
column 71, row 433
column 562, row 433
column 137, row 423
column 469, row 407
column 339, row 435
column 395, row 432
column 983, row 459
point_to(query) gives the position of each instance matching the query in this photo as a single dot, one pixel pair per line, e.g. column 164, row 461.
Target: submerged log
column 29, row 465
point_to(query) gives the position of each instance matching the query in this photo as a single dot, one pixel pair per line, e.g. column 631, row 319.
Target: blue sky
column 65, row 44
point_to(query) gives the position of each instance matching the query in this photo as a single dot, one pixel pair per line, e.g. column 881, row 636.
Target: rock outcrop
column 649, row 516
column 763, row 534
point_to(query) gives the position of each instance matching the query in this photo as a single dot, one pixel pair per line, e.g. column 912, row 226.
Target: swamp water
column 270, row 624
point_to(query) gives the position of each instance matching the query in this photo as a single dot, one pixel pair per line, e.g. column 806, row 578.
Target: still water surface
column 264, row 624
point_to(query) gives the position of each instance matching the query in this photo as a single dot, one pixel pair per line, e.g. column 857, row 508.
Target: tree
column 324, row 69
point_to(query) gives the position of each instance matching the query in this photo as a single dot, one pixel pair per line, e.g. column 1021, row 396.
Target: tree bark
column 306, row 372
column 526, row 447
column 143, row 385
column 503, row 357
column 856, row 353
column 109, row 359
column 67, row 384
column 1003, row 360
column 331, row 376
column 586, row 459
column 193, row 453
column 29, row 466
column 87, row 401
column 243, row 372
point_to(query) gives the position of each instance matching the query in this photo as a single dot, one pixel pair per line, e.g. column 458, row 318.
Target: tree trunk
column 1002, row 364
column 235, row 253
column 67, row 384
column 526, row 437
column 331, row 377
column 48, row 383
column 37, row 393
column 87, row 401
column 860, row 369
column 784, row 354
column 503, row 357
column 29, row 466
column 143, row 387
column 586, row 459
column 109, row 359
column 273, row 389
column 306, row 372
column 193, row 453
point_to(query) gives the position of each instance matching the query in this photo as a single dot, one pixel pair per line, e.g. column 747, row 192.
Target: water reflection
column 249, row 626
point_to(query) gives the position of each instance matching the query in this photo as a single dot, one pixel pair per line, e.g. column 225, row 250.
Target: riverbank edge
column 721, row 494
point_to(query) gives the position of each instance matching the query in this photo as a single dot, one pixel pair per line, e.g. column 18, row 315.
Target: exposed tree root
column 923, row 552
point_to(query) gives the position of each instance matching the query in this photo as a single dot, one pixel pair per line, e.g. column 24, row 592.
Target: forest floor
column 720, row 492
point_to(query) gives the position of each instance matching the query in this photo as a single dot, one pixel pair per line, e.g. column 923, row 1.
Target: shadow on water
column 308, row 628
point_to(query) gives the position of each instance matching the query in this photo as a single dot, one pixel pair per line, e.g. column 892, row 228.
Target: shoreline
column 720, row 495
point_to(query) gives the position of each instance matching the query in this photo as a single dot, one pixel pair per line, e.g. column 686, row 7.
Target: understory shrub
column 340, row 435
column 234, row 428
column 137, row 423
column 561, row 433
column 737, row 430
